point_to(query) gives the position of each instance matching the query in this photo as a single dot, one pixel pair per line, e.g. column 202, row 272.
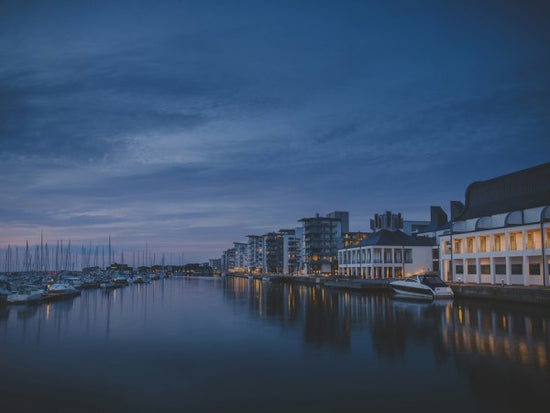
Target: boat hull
column 420, row 291
column 412, row 292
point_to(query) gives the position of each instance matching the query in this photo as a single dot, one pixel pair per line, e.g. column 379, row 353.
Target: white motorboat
column 25, row 295
column 60, row 289
column 428, row 285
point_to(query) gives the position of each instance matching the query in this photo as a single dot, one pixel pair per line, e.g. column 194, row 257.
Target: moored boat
column 25, row 295
column 428, row 285
column 59, row 290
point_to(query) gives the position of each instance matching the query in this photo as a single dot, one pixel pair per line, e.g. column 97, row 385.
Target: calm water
column 212, row 344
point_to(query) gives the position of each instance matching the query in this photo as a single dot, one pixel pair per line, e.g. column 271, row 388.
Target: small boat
column 60, row 289
column 25, row 295
column 428, row 285
column 120, row 281
column 107, row 284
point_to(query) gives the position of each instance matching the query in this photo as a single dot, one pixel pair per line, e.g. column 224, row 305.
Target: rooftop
column 528, row 188
column 395, row 238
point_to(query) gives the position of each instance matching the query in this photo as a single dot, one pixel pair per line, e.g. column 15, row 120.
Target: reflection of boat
column 427, row 285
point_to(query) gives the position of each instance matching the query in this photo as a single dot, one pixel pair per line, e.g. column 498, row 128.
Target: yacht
column 25, row 294
column 60, row 289
column 428, row 285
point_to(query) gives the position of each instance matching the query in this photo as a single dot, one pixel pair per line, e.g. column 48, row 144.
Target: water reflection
column 328, row 318
column 186, row 334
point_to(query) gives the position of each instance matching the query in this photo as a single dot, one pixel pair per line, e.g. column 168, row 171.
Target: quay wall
column 517, row 294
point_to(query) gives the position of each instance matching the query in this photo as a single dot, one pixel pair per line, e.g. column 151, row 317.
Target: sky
column 187, row 125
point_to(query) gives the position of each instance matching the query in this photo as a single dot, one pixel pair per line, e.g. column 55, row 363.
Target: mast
column 110, row 261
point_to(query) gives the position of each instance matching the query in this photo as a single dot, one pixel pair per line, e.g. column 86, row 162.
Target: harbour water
column 237, row 345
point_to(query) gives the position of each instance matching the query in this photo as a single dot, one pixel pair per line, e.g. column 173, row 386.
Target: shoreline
column 536, row 295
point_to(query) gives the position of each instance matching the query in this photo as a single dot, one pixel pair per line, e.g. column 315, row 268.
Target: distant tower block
column 387, row 220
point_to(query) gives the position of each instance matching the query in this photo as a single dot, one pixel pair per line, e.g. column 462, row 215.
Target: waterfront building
column 215, row 264
column 273, row 253
column 353, row 238
column 282, row 252
column 500, row 235
column 292, row 250
column 387, row 220
column 228, row 260
column 386, row 254
column 240, row 256
column 255, row 253
column 321, row 238
column 414, row 227
column 343, row 216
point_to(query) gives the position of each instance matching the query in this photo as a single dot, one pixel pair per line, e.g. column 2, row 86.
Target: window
column 470, row 245
column 377, row 256
column 534, row 269
column 500, row 269
column 397, row 256
column 460, row 269
column 497, row 243
column 513, row 242
column 446, row 247
column 485, row 269
column 517, row 269
column 387, row 255
column 408, row 255
column 472, row 269
column 530, row 241
column 457, row 249
column 483, row 244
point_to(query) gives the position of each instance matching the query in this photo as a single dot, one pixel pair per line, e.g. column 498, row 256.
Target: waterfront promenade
column 518, row 294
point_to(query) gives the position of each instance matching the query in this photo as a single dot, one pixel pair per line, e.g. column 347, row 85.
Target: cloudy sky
column 189, row 124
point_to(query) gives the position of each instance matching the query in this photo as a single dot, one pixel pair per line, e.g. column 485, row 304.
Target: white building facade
column 501, row 235
column 386, row 254
column 499, row 249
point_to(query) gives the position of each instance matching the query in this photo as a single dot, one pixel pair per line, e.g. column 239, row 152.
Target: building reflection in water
column 492, row 345
column 498, row 354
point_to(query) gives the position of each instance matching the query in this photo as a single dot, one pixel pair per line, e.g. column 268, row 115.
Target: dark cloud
column 199, row 122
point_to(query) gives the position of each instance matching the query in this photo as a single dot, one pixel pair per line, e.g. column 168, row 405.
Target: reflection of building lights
column 523, row 354
column 460, row 318
column 541, row 353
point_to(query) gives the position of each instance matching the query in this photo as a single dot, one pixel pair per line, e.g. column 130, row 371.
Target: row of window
column 515, row 243
column 376, row 256
column 500, row 269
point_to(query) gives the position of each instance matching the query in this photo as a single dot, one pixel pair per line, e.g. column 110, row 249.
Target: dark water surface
column 236, row 345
